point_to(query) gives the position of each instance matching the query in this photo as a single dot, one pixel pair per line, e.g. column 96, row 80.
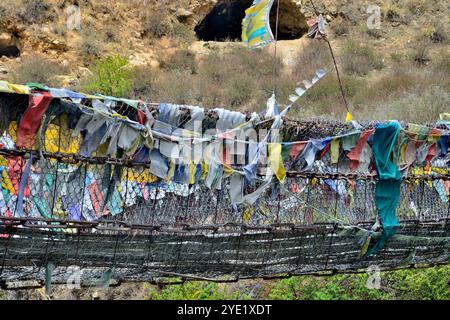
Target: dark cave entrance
column 224, row 21
column 9, row 51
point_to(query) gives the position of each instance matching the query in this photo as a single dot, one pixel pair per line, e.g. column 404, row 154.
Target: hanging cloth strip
column 387, row 193
column 355, row 154
column 31, row 120
column 276, row 161
column 23, row 184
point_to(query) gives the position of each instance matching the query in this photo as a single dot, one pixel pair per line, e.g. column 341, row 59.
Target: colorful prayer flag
column 256, row 32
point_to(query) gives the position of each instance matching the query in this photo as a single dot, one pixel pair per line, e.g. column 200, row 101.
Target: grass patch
column 359, row 59
column 408, row 284
column 392, row 12
column 421, row 53
column 181, row 60
column 426, row 284
column 415, row 105
column 341, row 27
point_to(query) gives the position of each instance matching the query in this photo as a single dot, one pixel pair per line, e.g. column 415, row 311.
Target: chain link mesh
column 110, row 213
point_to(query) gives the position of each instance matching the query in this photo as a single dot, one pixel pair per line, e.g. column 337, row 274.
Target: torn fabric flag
column 316, row 28
column 31, row 119
column 387, row 193
column 276, row 161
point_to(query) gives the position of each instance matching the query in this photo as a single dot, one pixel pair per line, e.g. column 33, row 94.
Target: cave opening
column 224, row 21
column 9, row 51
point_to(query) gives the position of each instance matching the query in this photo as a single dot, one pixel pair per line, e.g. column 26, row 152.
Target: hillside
column 397, row 71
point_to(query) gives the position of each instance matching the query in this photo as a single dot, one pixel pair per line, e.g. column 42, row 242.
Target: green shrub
column 38, row 69
column 111, row 77
column 425, row 284
column 339, row 287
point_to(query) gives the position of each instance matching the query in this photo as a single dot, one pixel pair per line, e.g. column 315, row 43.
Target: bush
column 420, row 54
column 38, row 69
column 181, row 60
column 437, row 34
column 392, row 13
column 326, row 99
column 35, row 11
column 239, row 91
column 156, row 23
column 110, row 36
column 442, row 63
column 359, row 59
column 374, row 33
column 89, row 47
column 340, row 28
column 111, row 77
column 182, row 32
column 177, row 87
column 145, row 79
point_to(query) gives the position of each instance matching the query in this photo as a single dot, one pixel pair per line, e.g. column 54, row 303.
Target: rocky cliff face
column 32, row 26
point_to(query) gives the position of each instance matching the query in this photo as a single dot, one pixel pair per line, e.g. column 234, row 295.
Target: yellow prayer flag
column 276, row 161
column 334, row 150
column 349, row 117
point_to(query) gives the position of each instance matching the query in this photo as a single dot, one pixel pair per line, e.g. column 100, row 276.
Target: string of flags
column 179, row 158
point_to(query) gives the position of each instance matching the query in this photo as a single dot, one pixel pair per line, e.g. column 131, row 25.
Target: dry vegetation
column 399, row 71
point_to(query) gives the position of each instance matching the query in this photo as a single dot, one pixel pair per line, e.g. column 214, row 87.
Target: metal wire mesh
column 109, row 213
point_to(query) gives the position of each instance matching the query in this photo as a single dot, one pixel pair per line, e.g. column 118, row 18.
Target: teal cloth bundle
column 387, row 194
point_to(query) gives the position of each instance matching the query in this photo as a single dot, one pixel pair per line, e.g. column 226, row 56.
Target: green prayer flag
column 387, row 193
